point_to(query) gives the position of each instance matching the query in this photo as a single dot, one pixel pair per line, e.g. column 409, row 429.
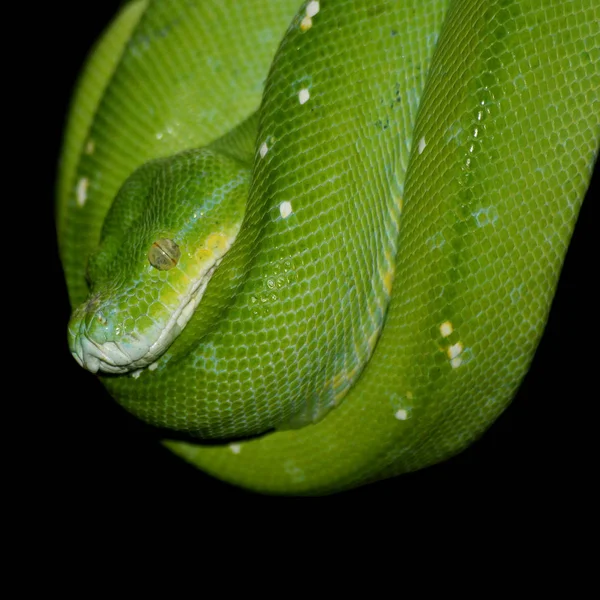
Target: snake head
column 160, row 245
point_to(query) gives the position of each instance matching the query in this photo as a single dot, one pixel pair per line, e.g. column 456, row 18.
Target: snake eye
column 164, row 254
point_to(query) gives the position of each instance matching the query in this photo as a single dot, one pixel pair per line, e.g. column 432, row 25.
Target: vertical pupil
column 164, row 254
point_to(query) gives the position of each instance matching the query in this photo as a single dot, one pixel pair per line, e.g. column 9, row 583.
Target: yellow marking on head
column 202, row 254
column 218, row 242
column 215, row 246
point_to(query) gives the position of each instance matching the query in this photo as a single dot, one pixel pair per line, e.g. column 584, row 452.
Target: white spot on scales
column 82, row 188
column 303, row 96
column 285, row 209
column 235, row 448
column 263, row 149
column 454, row 350
column 401, row 415
column 454, row 353
column 312, row 8
column 422, row 145
column 446, row 328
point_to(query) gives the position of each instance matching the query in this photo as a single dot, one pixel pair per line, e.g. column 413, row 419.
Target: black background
column 92, row 457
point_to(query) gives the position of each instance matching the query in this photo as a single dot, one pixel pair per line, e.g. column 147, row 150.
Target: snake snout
column 106, row 356
column 93, row 342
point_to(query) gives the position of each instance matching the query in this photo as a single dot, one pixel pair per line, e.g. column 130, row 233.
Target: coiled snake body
column 327, row 236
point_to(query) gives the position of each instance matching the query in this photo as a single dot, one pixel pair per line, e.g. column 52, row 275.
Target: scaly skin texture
column 417, row 173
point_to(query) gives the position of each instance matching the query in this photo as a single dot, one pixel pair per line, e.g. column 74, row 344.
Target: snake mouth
column 134, row 350
column 109, row 357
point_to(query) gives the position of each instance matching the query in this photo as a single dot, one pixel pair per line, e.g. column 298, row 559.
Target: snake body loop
column 325, row 236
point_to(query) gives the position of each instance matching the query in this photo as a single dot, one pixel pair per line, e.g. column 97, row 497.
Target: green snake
column 321, row 242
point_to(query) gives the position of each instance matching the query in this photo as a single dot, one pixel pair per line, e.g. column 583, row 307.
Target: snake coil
column 325, row 236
